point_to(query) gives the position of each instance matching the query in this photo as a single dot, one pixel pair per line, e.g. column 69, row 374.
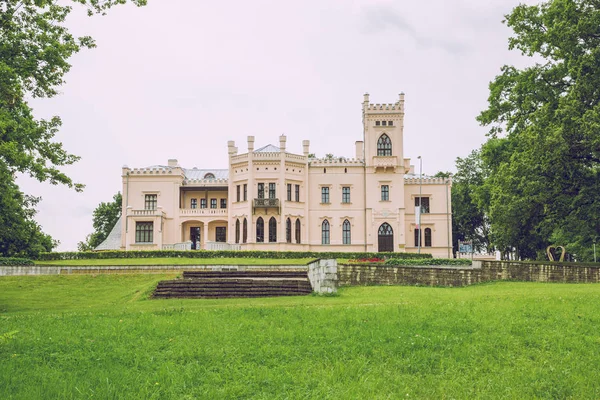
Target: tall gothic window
column 384, row 146
column 325, row 232
column 272, row 230
column 245, row 234
column 298, row 230
column 427, row 237
column 346, row 232
column 288, row 230
column 260, row 230
column 237, row 230
column 418, row 237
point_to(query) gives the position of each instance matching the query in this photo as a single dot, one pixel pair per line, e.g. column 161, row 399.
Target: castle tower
column 383, row 126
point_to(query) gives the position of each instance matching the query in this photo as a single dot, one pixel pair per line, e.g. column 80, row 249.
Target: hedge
column 14, row 261
column 432, row 261
column 90, row 255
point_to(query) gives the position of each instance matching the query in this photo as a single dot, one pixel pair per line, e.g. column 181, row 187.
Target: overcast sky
column 177, row 79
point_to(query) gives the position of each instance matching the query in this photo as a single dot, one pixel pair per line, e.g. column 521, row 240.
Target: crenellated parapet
column 385, row 107
column 425, row 180
column 154, row 170
column 206, row 182
column 338, row 161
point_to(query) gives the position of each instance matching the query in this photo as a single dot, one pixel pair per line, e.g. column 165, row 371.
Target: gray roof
column 195, row 173
column 268, row 149
column 113, row 240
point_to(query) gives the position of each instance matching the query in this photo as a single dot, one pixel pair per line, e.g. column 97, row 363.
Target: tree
column 543, row 153
column 34, row 50
column 105, row 218
column 20, row 235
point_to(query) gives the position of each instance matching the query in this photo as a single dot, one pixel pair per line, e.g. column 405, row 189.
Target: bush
column 431, row 261
column 90, row 255
column 14, row 261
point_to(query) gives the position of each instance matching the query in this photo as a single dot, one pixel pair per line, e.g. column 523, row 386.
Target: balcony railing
column 184, row 212
column 385, row 161
column 266, row 203
column 146, row 213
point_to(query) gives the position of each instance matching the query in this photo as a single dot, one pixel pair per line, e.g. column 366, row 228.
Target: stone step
column 245, row 274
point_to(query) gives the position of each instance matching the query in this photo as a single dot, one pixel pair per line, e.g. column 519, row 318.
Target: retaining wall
column 481, row 271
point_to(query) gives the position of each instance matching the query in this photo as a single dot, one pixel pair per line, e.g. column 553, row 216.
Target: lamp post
column 420, row 199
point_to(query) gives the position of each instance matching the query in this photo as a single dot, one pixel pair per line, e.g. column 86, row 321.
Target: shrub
column 90, row 255
column 14, row 261
column 367, row 260
column 430, row 261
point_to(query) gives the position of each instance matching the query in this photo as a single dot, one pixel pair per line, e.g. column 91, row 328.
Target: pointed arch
column 272, row 230
column 260, row 230
column 385, row 237
column 427, row 237
column 298, row 231
column 288, row 231
column 346, row 234
column 325, row 239
column 384, row 145
column 245, row 234
column 237, row 230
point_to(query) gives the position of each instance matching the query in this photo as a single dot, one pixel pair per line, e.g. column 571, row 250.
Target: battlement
column 207, row 182
column 340, row 161
column 382, row 108
column 425, row 180
column 153, row 170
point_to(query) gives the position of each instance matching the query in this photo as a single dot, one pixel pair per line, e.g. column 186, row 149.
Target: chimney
column 250, row 144
column 401, row 101
column 360, row 146
column 173, row 162
column 366, row 98
column 305, row 145
column 282, row 140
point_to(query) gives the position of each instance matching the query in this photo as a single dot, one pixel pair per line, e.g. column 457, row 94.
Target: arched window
column 245, row 234
column 384, row 146
column 209, row 175
column 260, row 230
column 325, row 232
column 346, row 232
column 385, row 237
column 418, row 237
column 272, row 230
column 237, row 230
column 288, row 230
column 298, row 230
column 427, row 237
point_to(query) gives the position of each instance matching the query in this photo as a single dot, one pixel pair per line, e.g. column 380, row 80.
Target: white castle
column 270, row 199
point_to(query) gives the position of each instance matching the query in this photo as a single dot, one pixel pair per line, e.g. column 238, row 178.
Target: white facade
column 366, row 203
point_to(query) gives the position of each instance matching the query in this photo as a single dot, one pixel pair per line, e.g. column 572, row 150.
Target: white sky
column 177, row 79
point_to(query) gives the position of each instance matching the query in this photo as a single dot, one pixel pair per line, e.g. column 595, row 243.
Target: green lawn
column 101, row 337
column 181, row 261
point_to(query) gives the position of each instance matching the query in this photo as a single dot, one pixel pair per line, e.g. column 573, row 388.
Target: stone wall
column 323, row 276
column 481, row 271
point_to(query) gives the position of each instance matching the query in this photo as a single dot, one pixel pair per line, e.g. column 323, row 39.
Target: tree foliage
column 35, row 47
column 105, row 218
column 543, row 153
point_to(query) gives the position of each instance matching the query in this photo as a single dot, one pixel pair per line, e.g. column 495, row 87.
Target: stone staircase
column 224, row 284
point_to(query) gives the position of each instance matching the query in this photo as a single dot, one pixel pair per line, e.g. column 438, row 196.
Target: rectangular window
column 346, row 195
column 385, row 193
column 325, row 195
column 223, row 203
column 194, row 203
column 220, row 234
column 150, row 203
column 144, row 232
column 245, row 193
column 424, row 204
column 213, row 203
column 271, row 190
column 261, row 191
column 289, row 192
column 391, row 123
column 383, row 123
column 237, row 193
column 297, row 192
column 377, row 123
column 202, row 203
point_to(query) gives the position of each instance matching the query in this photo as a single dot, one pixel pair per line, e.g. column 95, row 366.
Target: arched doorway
column 386, row 237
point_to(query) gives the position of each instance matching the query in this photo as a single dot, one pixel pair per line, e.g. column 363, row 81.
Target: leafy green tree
column 20, row 235
column 35, row 47
column 543, row 154
column 105, row 217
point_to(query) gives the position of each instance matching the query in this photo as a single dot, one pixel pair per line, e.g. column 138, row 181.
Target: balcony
column 266, row 204
column 385, row 162
column 145, row 213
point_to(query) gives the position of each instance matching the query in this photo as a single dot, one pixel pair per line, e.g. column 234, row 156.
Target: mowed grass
column 101, row 337
column 180, row 261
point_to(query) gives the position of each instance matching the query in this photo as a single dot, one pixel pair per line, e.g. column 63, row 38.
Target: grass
column 180, row 261
column 100, row 336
